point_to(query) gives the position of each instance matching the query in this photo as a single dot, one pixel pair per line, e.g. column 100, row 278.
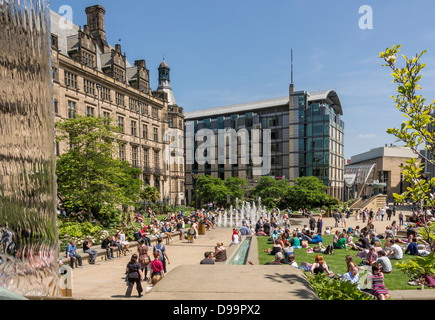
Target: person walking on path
column 71, row 253
column 144, row 258
column 336, row 217
column 157, row 272
column 343, row 219
column 364, row 215
column 134, row 275
column 382, row 213
column 319, row 224
column 161, row 250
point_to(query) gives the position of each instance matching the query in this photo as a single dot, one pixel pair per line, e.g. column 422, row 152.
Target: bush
column 69, row 231
column 334, row 289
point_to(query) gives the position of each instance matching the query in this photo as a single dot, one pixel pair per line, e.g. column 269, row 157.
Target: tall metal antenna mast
column 292, row 66
column 292, row 86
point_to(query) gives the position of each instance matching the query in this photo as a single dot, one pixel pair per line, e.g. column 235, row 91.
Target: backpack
column 158, row 248
column 137, row 235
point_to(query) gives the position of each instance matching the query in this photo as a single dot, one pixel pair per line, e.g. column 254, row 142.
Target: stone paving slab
column 229, row 282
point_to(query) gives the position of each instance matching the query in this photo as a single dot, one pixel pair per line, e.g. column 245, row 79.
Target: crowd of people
column 149, row 263
column 375, row 257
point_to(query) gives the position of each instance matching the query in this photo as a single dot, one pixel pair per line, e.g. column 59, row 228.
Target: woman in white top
column 124, row 242
column 235, row 237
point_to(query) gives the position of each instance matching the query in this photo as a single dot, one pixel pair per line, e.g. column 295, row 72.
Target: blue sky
column 236, row 51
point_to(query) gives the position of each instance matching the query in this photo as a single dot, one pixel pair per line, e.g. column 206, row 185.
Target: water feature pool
column 241, row 255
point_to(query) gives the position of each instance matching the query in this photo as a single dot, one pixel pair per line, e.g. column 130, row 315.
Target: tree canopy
column 416, row 131
column 91, row 178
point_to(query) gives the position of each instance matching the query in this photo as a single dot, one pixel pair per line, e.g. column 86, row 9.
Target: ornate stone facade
column 90, row 77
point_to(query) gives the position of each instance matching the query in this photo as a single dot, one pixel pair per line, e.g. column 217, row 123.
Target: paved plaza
column 187, row 280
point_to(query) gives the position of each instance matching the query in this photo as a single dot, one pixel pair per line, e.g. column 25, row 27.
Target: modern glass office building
column 299, row 135
column 317, row 138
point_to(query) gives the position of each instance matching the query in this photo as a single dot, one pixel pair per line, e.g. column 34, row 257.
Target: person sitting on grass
column 414, row 249
column 371, row 257
column 295, row 241
column 278, row 246
column 261, row 233
column 356, row 232
column 363, row 242
column 395, row 252
column 320, row 266
column 288, row 250
column 378, row 287
column 278, row 259
column 385, row 262
column 341, row 243
column 374, row 238
column 349, row 262
column 352, row 276
column 349, row 239
column 291, row 260
column 317, row 239
column 336, row 236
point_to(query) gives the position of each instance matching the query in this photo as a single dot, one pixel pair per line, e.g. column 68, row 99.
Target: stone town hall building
column 90, row 77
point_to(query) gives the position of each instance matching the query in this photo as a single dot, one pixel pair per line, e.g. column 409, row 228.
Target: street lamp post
column 98, row 90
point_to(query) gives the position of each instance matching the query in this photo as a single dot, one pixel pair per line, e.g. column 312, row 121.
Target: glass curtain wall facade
column 306, row 139
column 275, row 118
column 317, row 140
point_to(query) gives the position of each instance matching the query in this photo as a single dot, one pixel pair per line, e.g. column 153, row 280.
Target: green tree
column 150, row 194
column 308, row 192
column 212, row 189
column 417, row 131
column 90, row 177
column 271, row 191
column 237, row 188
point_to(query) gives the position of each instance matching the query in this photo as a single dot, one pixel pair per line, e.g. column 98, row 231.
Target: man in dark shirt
column 266, row 227
column 258, row 225
column 92, row 253
column 107, row 244
column 208, row 258
column 412, row 247
column 363, row 243
column 312, row 222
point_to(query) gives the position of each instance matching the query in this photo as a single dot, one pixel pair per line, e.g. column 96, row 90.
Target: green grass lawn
column 395, row 280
